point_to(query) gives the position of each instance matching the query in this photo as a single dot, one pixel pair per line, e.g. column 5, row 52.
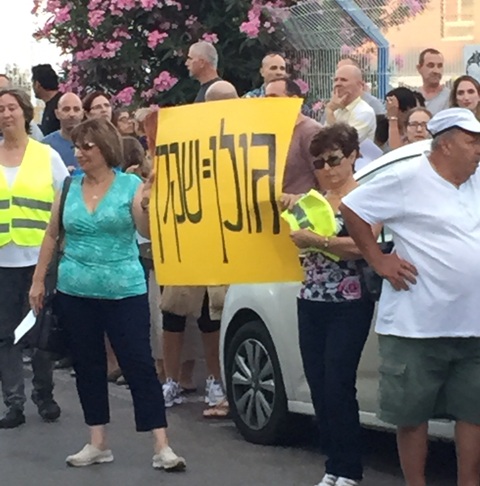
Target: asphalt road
column 216, row 454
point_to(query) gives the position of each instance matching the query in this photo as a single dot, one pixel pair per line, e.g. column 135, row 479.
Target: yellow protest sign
column 214, row 215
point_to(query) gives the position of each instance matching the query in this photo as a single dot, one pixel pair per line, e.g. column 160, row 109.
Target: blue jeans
column 332, row 337
column 126, row 322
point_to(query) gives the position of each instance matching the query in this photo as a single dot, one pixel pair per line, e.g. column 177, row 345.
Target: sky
column 16, row 42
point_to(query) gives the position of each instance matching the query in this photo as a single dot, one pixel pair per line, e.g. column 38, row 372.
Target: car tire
column 255, row 388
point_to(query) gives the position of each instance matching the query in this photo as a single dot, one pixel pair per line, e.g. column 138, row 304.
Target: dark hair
column 430, row 50
column 117, row 113
column 421, row 101
column 456, row 84
column 104, row 135
column 291, row 87
column 91, row 97
column 337, row 136
column 406, row 98
column 134, row 154
column 46, row 76
column 381, row 132
column 23, row 99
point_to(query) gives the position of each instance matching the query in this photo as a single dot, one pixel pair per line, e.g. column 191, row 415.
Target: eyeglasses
column 85, row 146
column 333, row 161
column 416, row 125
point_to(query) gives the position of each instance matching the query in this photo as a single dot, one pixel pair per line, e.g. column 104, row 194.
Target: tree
column 135, row 49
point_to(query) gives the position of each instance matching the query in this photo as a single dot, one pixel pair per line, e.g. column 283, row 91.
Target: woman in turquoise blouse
column 101, row 289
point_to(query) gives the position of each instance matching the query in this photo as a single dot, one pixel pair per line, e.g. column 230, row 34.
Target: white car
column 260, row 355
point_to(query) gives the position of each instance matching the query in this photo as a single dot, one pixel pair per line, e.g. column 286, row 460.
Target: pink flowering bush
column 136, row 49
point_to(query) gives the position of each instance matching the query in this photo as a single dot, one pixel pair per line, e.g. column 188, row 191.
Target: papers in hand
column 25, row 326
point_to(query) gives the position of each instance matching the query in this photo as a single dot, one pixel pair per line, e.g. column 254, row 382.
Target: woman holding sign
column 333, row 314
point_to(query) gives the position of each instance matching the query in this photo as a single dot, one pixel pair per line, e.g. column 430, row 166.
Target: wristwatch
column 145, row 203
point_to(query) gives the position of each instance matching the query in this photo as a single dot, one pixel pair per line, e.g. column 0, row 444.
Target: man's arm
column 397, row 271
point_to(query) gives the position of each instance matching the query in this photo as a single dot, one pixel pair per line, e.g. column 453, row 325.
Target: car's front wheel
column 255, row 388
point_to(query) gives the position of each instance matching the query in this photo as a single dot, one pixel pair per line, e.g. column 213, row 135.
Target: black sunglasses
column 85, row 146
column 333, row 161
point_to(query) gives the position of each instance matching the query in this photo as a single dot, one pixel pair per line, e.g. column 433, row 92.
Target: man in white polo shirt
column 428, row 315
column 347, row 105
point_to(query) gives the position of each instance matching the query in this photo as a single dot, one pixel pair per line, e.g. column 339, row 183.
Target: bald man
column 377, row 105
column 221, row 90
column 202, row 63
column 347, row 105
column 70, row 114
column 273, row 67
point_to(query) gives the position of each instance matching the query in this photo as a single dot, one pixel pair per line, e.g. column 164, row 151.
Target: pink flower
column 149, row 4
column 52, row 6
column 148, row 94
column 63, row 15
column 346, row 50
column 252, row 27
column 399, row 61
column 350, row 288
column 190, row 21
column 212, row 38
column 164, row 81
column 95, row 18
column 415, row 6
column 304, row 87
column 125, row 96
column 318, row 106
column 155, row 38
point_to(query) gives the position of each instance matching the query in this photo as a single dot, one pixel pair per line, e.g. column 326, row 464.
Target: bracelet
column 326, row 243
column 390, row 118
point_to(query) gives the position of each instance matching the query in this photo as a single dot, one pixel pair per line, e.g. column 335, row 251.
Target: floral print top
column 329, row 281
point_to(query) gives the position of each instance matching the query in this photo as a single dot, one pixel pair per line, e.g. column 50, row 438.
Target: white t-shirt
column 369, row 152
column 12, row 255
column 436, row 227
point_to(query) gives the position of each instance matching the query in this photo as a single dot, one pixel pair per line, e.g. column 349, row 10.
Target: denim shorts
column 423, row 379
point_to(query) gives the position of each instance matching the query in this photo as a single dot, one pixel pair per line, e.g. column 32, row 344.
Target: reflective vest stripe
column 31, row 203
column 29, row 224
column 5, row 204
column 4, row 228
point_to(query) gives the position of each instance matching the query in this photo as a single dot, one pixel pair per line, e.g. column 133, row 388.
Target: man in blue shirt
column 70, row 114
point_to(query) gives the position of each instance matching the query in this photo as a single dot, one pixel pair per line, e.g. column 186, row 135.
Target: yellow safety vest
column 25, row 207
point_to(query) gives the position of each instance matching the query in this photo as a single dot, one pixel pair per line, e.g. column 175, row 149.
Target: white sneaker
column 346, row 482
column 216, row 394
column 168, row 460
column 208, row 385
column 89, row 455
column 171, row 393
column 328, row 480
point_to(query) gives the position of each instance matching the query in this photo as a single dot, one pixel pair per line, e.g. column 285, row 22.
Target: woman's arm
column 342, row 246
column 37, row 291
column 140, row 207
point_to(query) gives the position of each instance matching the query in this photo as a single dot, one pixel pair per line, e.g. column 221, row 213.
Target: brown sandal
column 219, row 411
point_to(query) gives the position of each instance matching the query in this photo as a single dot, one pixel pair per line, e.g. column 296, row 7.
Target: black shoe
column 48, row 409
column 12, row 418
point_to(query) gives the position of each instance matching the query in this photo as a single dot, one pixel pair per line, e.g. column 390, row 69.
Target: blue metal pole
column 351, row 8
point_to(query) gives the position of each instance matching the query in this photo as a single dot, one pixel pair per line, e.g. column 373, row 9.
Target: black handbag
column 48, row 334
column 370, row 281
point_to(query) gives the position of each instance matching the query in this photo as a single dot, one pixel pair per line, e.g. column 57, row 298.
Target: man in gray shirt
column 430, row 67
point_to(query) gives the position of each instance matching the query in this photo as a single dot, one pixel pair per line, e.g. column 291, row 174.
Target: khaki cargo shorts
column 423, row 379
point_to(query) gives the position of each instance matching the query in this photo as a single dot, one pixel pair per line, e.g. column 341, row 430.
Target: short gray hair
column 438, row 139
column 207, row 51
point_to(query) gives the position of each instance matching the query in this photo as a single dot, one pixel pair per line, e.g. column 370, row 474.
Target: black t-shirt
column 50, row 121
column 203, row 89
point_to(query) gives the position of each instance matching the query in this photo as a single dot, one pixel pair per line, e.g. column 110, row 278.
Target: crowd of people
column 122, row 327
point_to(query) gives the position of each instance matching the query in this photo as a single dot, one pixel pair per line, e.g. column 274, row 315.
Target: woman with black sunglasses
column 333, row 314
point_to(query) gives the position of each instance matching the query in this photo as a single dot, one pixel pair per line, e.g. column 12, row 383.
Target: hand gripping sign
column 214, row 213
